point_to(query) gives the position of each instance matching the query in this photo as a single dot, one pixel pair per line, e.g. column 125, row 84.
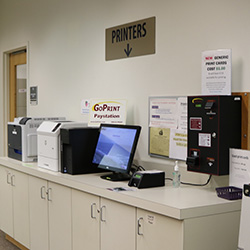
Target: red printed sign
column 195, row 123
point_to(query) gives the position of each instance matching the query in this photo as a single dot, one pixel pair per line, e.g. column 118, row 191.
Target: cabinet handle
column 9, row 178
column 48, row 194
column 139, row 225
column 93, row 206
column 12, row 180
column 102, row 217
column 43, row 193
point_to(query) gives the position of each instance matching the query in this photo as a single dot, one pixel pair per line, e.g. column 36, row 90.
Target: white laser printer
column 22, row 137
column 49, row 148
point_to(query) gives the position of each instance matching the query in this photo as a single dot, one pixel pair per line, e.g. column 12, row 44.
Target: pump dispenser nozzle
column 176, row 176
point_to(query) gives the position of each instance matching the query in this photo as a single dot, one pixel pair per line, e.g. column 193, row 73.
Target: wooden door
column 15, row 59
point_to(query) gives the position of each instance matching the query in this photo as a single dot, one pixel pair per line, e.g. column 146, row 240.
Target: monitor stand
column 116, row 177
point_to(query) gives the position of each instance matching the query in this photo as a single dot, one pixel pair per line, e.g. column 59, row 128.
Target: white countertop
column 180, row 203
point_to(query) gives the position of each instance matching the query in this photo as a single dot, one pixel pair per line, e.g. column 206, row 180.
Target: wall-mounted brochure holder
column 168, row 127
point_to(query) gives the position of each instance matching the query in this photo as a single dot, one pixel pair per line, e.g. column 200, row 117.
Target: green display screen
column 198, row 105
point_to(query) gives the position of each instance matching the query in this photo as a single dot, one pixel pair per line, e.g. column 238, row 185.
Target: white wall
column 67, row 52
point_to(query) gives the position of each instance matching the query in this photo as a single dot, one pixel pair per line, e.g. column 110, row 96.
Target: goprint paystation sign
column 107, row 111
column 131, row 39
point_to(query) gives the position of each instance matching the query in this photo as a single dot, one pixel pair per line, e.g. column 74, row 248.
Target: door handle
column 103, row 219
column 8, row 178
column 43, row 193
column 48, row 194
column 13, row 180
column 93, row 208
column 139, row 226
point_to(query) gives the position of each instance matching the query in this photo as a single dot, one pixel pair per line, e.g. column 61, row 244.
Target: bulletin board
column 168, row 127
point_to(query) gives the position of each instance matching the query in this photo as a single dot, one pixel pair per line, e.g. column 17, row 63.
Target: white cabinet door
column 159, row 232
column 117, row 226
column 6, row 203
column 85, row 221
column 14, row 205
column 217, row 231
column 20, row 187
column 99, row 223
column 50, row 215
column 59, row 200
column 39, row 236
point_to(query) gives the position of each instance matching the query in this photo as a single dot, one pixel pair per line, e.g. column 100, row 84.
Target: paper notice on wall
column 239, row 173
column 216, row 72
column 107, row 111
column 178, row 144
column 182, row 113
column 163, row 112
column 85, row 106
column 159, row 141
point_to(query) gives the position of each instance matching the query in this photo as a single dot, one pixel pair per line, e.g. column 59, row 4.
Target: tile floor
column 6, row 245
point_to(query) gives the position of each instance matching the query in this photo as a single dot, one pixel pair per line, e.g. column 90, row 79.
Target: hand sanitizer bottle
column 176, row 176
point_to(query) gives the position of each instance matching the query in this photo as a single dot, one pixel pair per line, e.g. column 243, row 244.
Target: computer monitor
column 115, row 150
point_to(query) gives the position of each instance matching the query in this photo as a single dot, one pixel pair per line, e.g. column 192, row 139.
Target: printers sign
column 107, row 111
column 131, row 39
